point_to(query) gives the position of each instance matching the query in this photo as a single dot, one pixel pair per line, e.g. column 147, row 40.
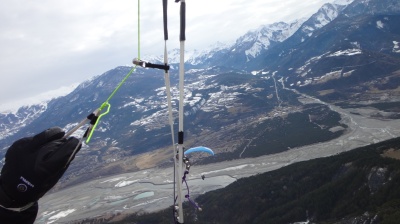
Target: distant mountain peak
column 326, row 14
column 255, row 41
column 193, row 57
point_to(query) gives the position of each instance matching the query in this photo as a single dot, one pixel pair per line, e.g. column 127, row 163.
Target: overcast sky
column 48, row 45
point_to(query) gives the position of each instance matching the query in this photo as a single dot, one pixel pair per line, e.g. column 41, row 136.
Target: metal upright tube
column 181, row 105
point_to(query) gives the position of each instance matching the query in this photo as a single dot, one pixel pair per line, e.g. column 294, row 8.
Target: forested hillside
column 359, row 186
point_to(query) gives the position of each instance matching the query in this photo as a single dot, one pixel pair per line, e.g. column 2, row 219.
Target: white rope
column 170, row 117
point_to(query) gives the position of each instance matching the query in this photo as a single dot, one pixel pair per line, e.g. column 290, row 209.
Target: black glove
column 33, row 165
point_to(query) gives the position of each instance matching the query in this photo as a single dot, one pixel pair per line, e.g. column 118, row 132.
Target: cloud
column 47, row 44
column 42, row 97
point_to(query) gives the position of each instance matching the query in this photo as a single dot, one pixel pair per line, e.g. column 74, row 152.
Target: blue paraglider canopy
column 199, row 149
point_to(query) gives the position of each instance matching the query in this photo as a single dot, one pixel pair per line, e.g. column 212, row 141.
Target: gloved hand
column 33, row 165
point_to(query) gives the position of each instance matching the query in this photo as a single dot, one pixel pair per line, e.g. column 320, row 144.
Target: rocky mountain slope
column 354, row 56
column 11, row 123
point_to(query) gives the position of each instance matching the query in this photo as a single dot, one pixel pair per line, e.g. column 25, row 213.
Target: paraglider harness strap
column 187, row 196
column 187, row 163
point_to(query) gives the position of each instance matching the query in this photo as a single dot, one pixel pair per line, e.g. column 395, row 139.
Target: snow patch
column 256, row 49
column 261, row 38
column 356, row 45
column 348, row 52
column 379, row 24
column 125, row 183
column 396, row 48
column 347, row 74
column 302, row 71
column 60, row 215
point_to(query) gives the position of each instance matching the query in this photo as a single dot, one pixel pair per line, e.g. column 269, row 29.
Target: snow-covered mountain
column 245, row 53
column 326, row 14
column 256, row 41
column 250, row 45
column 197, row 57
column 12, row 122
column 194, row 57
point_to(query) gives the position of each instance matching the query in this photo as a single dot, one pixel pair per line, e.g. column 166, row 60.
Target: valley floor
column 151, row 189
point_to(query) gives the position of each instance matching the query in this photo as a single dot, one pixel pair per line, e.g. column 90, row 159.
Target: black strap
column 180, row 137
column 93, row 118
column 165, row 20
column 183, row 22
column 145, row 64
column 158, row 66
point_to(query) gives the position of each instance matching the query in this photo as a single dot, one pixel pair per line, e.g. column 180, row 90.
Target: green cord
column 138, row 29
column 119, row 85
column 106, row 104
